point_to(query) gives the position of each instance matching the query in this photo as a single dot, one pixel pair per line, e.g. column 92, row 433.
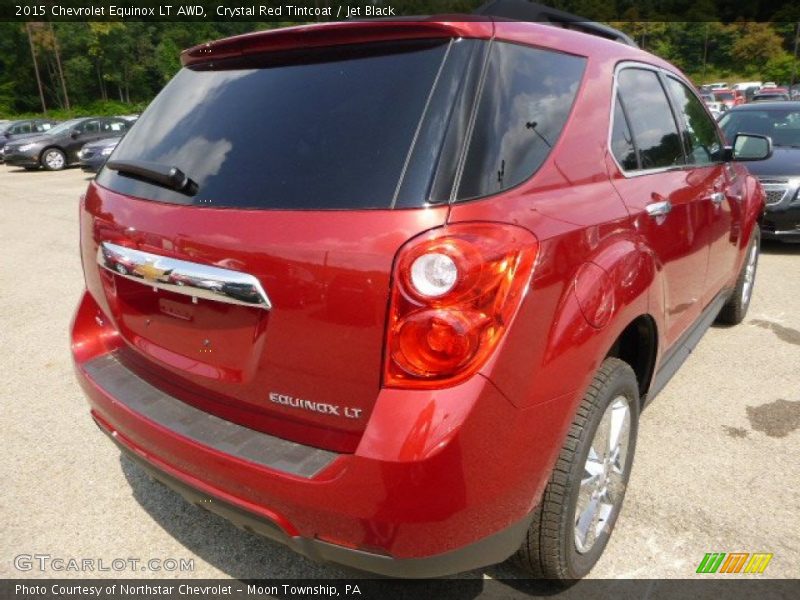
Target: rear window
column 325, row 131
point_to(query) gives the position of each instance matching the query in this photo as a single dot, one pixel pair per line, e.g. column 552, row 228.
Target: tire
column 735, row 309
column 53, row 159
column 555, row 547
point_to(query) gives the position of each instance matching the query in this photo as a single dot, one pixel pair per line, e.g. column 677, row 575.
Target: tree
column 36, row 66
column 757, row 44
column 58, row 63
column 779, row 68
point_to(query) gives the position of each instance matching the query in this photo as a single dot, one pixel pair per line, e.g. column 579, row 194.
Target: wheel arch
column 637, row 345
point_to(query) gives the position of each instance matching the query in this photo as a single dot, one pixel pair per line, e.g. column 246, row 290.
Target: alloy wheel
column 603, row 482
column 54, row 160
column 749, row 274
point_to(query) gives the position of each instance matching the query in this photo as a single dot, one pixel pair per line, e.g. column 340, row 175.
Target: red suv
column 395, row 293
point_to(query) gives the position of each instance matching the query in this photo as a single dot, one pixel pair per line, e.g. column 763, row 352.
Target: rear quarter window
column 622, row 140
column 527, row 96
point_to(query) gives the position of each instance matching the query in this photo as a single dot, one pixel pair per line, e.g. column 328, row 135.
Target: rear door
column 662, row 193
column 87, row 131
column 721, row 190
column 21, row 130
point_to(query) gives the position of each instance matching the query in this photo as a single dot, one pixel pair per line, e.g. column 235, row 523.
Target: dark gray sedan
column 59, row 147
column 94, row 154
column 25, row 128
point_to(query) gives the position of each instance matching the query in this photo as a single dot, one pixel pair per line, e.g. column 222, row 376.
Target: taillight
column 456, row 288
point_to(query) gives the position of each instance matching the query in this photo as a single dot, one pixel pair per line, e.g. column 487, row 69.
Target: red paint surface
column 423, row 471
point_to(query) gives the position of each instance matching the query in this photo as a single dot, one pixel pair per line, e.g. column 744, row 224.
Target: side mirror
column 74, row 133
column 750, row 146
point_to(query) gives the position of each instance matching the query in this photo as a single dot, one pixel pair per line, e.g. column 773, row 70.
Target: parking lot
column 716, row 467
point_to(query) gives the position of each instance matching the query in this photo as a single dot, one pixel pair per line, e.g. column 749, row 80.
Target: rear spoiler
column 523, row 10
column 338, row 33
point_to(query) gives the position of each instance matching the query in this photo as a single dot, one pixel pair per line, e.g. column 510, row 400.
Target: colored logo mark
column 734, row 562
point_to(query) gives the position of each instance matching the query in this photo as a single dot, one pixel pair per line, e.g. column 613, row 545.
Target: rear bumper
column 444, row 484
column 494, row 548
column 782, row 222
column 92, row 164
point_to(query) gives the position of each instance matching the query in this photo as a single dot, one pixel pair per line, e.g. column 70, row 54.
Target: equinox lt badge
column 318, row 407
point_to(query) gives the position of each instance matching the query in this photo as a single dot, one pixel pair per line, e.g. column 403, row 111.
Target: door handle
column 659, row 209
column 717, row 198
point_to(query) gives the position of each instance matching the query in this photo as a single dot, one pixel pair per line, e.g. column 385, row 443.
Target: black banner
column 334, row 10
column 713, row 587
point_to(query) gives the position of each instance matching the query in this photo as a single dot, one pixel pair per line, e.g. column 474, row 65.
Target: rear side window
column 115, row 126
column 327, row 129
column 21, row 128
column 526, row 99
column 90, row 127
column 652, row 124
column 699, row 131
column 622, row 140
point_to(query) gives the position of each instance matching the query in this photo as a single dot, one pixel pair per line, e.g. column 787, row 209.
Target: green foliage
column 756, row 44
column 109, row 67
column 714, row 51
column 118, row 67
column 779, row 68
column 97, row 108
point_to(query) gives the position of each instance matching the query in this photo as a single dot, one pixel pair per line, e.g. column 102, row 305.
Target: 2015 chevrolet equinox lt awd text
column 395, row 293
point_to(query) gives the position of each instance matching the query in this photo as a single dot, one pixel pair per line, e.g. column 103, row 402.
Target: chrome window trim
column 632, row 64
column 182, row 276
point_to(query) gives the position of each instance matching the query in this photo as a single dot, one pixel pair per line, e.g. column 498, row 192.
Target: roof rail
column 524, row 10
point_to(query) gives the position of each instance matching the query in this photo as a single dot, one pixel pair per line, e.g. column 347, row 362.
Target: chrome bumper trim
column 183, row 277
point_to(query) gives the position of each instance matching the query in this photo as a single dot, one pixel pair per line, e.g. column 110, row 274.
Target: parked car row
column 16, row 130
column 41, row 143
column 745, row 92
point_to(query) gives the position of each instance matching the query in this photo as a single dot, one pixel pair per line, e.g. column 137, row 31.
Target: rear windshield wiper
column 163, row 175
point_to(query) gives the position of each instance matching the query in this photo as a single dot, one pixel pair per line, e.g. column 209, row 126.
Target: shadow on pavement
column 777, row 247
column 243, row 555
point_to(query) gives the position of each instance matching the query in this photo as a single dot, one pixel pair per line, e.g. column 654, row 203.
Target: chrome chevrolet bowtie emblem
column 183, row 277
column 151, row 273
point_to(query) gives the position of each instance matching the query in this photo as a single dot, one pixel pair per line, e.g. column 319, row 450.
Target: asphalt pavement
column 717, row 468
